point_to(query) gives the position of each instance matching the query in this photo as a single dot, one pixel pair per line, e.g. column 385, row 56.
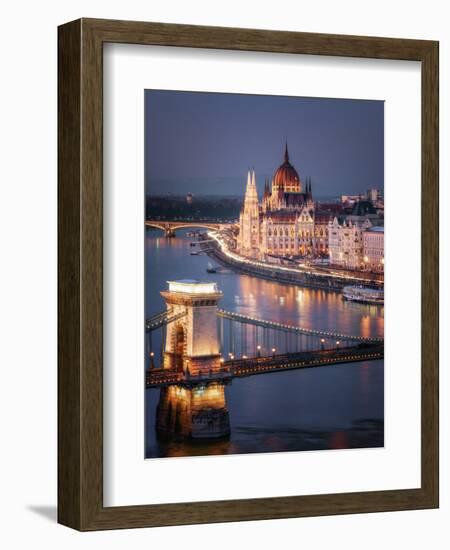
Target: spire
column 253, row 179
column 248, row 179
column 286, row 153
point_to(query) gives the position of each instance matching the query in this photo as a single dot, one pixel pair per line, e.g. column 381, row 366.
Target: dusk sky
column 205, row 142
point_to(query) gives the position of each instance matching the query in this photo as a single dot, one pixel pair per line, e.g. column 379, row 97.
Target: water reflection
column 197, row 412
column 340, row 406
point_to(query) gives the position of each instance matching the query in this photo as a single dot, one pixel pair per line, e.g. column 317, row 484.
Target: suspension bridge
column 194, row 342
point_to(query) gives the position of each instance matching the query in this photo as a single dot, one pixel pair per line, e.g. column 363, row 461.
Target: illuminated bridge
column 247, row 319
column 238, row 368
column 163, row 318
column 245, row 345
column 170, row 226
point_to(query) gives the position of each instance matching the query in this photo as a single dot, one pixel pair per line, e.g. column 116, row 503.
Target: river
column 338, row 406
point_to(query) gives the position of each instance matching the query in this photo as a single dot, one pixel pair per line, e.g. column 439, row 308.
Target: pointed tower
column 309, row 196
column 286, row 153
column 287, row 176
column 248, row 240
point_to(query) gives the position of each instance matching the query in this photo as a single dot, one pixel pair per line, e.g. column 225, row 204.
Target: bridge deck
column 264, row 365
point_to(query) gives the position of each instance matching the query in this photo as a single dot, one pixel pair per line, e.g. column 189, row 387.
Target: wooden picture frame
column 80, row 272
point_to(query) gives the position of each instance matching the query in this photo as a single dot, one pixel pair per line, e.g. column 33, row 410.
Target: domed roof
column 287, row 175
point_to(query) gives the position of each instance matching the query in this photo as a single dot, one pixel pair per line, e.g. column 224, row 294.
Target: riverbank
column 281, row 274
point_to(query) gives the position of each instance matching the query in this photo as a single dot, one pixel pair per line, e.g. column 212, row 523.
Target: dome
column 287, row 176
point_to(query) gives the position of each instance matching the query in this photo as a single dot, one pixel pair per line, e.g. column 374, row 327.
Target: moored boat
column 363, row 294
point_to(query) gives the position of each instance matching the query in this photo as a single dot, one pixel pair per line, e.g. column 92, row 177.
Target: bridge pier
column 193, row 373
column 169, row 232
column 197, row 412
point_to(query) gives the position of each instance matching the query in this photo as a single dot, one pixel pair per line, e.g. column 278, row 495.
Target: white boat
column 363, row 294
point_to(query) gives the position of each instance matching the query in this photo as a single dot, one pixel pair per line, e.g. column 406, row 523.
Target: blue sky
column 205, row 142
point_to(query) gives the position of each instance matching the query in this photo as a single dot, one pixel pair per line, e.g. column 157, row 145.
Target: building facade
column 373, row 249
column 355, row 241
column 249, row 221
column 288, row 223
column 283, row 223
column 345, row 243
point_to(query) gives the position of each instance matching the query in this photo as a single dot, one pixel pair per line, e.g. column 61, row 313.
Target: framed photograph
column 248, row 274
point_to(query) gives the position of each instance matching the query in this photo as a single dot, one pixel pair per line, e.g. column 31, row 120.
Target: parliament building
column 285, row 223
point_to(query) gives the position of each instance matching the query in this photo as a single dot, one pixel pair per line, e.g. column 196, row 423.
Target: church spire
column 286, row 153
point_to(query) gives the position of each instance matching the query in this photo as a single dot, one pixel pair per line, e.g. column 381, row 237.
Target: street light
column 273, row 351
column 337, row 344
column 322, row 342
column 259, row 350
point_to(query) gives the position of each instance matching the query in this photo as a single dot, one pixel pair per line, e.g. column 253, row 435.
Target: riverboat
column 363, row 294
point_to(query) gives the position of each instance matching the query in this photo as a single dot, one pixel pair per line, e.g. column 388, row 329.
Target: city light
column 191, row 286
column 241, row 259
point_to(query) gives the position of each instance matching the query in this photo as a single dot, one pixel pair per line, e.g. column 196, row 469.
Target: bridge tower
column 193, row 408
column 192, row 342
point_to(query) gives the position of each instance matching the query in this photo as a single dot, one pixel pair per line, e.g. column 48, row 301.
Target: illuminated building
column 283, row 223
column 345, row 243
column 288, row 223
column 373, row 248
column 347, row 240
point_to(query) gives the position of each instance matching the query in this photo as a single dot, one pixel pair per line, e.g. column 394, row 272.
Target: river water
column 338, row 406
